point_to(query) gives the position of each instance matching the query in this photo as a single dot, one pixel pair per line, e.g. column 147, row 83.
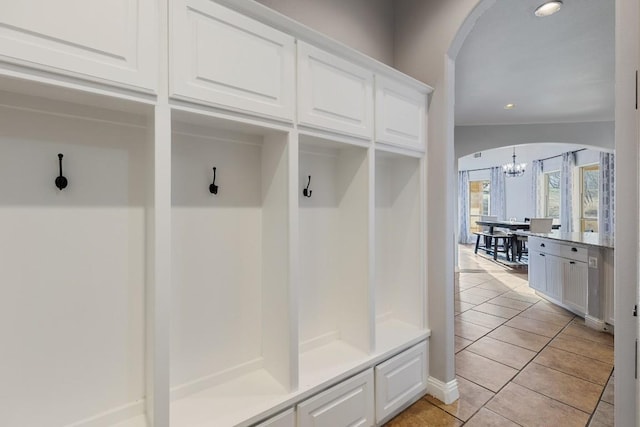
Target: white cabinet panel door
column 111, row 41
column 400, row 379
column 349, row 403
column 222, row 58
column 537, row 270
column 334, row 94
column 400, row 114
column 285, row 419
column 554, row 276
column 575, row 285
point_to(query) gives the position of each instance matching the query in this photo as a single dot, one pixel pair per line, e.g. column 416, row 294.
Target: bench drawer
column 400, row 379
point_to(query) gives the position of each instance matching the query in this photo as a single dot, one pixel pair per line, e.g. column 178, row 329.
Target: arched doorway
column 626, row 118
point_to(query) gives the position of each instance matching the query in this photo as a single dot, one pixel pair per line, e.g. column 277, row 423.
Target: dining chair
column 536, row 225
column 541, row 225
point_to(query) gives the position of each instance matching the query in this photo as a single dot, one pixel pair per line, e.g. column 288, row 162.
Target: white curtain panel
column 566, row 191
column 497, row 199
column 464, row 232
column 606, row 202
column 537, row 195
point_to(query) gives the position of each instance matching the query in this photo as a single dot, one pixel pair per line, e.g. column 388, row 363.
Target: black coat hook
column 61, row 181
column 213, row 188
column 305, row 191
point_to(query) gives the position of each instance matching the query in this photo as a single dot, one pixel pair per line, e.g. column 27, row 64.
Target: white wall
column 365, row 25
column 470, row 139
column 518, row 190
column 429, row 34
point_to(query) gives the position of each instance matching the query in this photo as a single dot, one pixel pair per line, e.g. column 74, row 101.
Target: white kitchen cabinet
column 105, row 41
column 576, row 276
column 350, row 403
column 546, row 272
column 537, row 270
column 554, row 276
column 575, row 285
column 334, row 94
column 400, row 114
column 400, row 380
column 222, row 58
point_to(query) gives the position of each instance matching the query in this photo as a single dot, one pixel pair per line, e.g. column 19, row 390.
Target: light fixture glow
column 548, row 8
column 513, row 169
column 510, row 106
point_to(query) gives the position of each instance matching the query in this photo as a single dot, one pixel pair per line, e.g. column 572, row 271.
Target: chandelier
column 513, row 169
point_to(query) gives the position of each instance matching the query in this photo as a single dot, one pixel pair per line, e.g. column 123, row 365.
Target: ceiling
column 555, row 69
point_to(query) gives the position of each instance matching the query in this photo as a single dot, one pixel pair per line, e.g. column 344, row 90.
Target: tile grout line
column 548, row 344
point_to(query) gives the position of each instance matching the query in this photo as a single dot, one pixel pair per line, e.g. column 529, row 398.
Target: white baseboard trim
column 594, row 323
column 445, row 392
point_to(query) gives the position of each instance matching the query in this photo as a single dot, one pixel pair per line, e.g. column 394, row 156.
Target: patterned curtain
column 498, row 202
column 566, row 191
column 464, row 233
column 606, row 202
column 537, row 190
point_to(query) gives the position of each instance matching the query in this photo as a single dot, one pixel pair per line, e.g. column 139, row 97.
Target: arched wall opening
column 627, row 206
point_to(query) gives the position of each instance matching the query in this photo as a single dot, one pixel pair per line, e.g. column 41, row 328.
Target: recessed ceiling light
column 548, row 8
column 510, row 106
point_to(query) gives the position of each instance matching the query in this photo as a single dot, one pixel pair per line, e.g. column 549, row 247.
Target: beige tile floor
column 520, row 360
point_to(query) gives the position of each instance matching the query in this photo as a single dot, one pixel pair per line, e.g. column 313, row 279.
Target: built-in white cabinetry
column 400, row 113
column 554, row 276
column 333, row 251
column 400, row 380
column 334, row 94
column 106, row 41
column 286, row 419
column 537, row 270
column 231, row 318
column 224, row 254
column 570, row 274
column 73, row 312
column 399, row 275
column 222, row 58
column 349, row 403
column 575, row 275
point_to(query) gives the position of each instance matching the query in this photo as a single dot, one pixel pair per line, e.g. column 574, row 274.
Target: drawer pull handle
column 574, row 249
column 542, row 245
column 541, row 254
column 572, row 262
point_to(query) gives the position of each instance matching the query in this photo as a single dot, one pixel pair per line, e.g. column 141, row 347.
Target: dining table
column 511, row 226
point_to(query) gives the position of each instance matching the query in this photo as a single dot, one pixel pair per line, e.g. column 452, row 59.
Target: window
column 478, row 202
column 589, row 197
column 552, row 194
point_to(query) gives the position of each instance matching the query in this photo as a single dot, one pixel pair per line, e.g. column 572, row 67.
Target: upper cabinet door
column 113, row 42
column 334, row 94
column 222, row 58
column 400, row 114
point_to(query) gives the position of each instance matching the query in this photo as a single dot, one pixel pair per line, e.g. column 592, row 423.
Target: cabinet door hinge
column 635, row 310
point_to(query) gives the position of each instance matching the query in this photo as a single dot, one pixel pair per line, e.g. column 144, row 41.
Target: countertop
column 590, row 239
